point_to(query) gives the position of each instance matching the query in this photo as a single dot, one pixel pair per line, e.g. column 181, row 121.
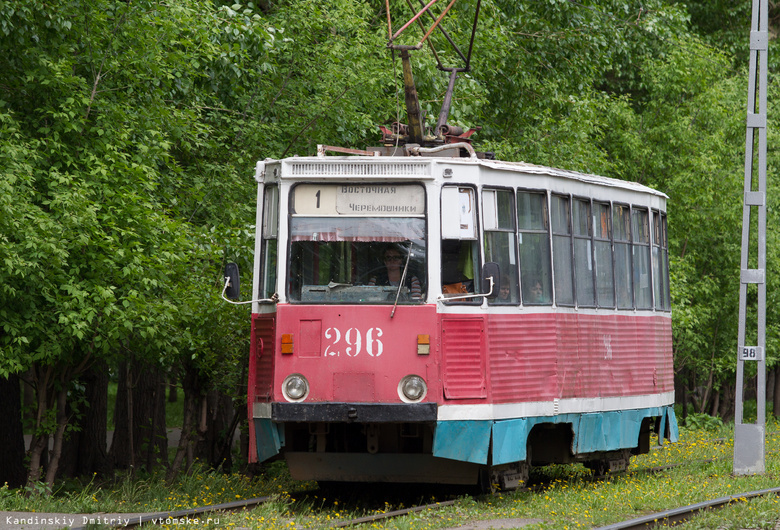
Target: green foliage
column 128, row 134
column 705, row 422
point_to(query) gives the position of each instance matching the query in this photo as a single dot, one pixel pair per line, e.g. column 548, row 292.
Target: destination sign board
column 382, row 200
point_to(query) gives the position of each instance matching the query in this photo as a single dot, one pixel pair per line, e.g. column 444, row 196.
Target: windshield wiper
column 403, row 279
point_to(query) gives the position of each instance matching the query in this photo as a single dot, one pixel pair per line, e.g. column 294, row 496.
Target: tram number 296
column 353, row 341
column 751, row 353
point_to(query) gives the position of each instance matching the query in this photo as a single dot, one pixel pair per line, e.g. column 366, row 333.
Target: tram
column 454, row 319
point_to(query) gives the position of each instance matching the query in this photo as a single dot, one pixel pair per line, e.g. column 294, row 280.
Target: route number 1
column 751, row 353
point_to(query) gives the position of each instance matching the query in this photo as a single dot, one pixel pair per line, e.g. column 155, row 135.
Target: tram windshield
column 344, row 258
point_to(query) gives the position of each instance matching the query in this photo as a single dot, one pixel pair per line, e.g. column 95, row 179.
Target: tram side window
column 660, row 262
column 583, row 262
column 534, row 248
column 621, row 229
column 562, row 259
column 498, row 212
column 640, row 236
column 602, row 254
column 269, row 246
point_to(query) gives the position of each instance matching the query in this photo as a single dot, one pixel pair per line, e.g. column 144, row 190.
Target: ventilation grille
column 358, row 169
column 463, row 358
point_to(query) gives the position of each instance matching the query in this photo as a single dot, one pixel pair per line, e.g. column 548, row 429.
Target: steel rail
column 390, row 515
column 182, row 514
column 679, row 515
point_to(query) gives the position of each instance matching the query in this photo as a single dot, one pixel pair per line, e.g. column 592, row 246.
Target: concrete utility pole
column 749, row 439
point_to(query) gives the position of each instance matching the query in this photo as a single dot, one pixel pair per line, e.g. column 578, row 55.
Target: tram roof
column 316, row 164
column 589, row 178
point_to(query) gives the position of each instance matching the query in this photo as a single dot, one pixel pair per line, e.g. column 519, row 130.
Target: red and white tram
column 455, row 320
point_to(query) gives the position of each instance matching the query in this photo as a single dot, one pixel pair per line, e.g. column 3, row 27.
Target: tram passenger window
column 498, row 211
column 660, row 262
column 583, row 263
column 640, row 236
column 534, row 248
column 602, row 255
column 621, row 227
column 562, row 259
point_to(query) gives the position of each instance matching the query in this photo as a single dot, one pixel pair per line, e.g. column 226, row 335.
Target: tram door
column 463, row 336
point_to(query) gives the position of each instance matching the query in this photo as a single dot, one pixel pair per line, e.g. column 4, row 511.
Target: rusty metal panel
column 463, row 357
column 261, row 360
column 573, row 366
column 523, row 357
column 540, row 357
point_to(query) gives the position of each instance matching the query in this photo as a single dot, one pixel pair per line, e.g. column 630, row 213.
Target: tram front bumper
column 354, row 412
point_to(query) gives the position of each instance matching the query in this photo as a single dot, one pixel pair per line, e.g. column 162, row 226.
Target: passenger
column 536, row 293
column 457, row 269
column 391, row 275
column 504, row 291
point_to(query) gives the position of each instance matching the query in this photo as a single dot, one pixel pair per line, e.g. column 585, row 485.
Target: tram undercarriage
column 404, row 453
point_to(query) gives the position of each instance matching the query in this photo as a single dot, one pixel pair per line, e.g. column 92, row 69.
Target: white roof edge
column 520, row 167
column 525, row 167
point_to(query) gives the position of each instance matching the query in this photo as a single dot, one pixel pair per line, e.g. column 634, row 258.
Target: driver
column 392, row 272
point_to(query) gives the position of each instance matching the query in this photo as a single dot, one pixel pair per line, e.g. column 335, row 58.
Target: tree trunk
column 85, row 451
column 59, row 435
column 38, row 445
column 40, row 440
column 156, row 439
column 715, row 403
column 776, row 399
column 726, row 411
column 191, row 388
column 120, row 454
column 11, row 433
column 173, row 390
column 140, row 433
column 216, row 419
column 29, row 405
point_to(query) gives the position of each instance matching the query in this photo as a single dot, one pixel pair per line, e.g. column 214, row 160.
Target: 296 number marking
column 353, row 341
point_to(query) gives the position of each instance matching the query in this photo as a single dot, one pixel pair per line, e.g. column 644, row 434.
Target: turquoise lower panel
column 604, row 431
column 669, row 426
column 267, row 438
column 467, row 441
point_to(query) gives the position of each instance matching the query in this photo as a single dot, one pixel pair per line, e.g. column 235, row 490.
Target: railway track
column 667, row 517
column 178, row 515
column 183, row 516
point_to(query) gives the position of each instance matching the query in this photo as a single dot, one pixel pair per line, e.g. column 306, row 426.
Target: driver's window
column 396, row 268
column 357, row 243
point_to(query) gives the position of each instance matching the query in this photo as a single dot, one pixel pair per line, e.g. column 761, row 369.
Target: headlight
column 295, row 387
column 412, row 389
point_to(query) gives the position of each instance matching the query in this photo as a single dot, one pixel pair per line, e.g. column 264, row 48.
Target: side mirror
column 491, row 270
column 233, row 285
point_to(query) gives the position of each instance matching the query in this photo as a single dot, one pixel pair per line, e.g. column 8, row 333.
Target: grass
column 569, row 500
